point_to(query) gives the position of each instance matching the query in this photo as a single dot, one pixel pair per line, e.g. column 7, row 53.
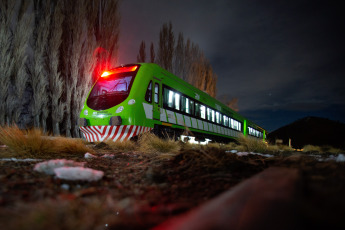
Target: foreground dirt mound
column 140, row 191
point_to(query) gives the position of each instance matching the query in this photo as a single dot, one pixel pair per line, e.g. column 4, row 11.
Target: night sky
column 283, row 60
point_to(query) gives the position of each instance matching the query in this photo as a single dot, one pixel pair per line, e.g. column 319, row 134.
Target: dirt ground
column 140, row 191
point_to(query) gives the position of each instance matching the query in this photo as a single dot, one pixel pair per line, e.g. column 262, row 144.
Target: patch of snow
column 340, row 158
column 78, row 173
column 89, row 156
column 249, row 153
column 109, row 156
column 48, row 167
column 65, row 186
column 242, row 154
column 232, row 151
column 20, row 160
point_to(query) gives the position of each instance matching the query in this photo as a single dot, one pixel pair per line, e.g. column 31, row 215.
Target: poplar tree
column 179, row 58
column 166, row 47
column 39, row 78
column 152, row 53
column 185, row 59
column 56, row 83
column 6, row 61
column 21, row 37
column 142, row 53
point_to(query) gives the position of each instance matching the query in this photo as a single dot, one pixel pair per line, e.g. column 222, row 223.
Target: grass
column 151, row 144
column 252, row 145
column 321, row 149
column 33, row 143
column 25, row 143
column 123, row 146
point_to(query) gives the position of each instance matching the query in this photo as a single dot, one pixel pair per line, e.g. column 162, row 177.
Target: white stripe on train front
column 115, row 133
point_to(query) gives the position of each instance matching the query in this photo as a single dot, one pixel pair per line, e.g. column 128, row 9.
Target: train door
column 157, row 99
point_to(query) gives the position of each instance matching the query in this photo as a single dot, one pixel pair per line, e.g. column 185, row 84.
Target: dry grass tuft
column 321, row 150
column 32, row 143
column 312, row 149
column 151, row 144
column 70, row 146
column 25, row 143
column 252, row 145
column 124, row 146
column 279, row 148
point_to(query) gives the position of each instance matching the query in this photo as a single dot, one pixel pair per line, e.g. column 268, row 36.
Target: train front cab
column 113, row 110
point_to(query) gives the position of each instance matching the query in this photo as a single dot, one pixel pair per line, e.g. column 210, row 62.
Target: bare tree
column 56, row 83
column 6, row 61
column 107, row 30
column 166, row 47
column 152, row 53
column 179, row 57
column 142, row 52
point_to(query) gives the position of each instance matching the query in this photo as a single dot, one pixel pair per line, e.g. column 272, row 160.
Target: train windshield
column 110, row 91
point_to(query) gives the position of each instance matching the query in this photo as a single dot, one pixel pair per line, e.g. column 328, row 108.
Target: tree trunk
column 56, row 129
column 37, row 121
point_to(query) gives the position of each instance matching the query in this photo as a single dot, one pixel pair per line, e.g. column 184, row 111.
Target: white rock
column 49, row 166
column 89, row 156
column 78, row 173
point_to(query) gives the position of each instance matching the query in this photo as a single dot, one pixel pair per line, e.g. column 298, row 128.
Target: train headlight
column 131, row 102
column 86, row 112
column 119, row 110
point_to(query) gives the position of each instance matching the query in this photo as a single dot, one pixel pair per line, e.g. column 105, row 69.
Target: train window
column 217, row 118
column 148, row 95
column 225, row 120
column 255, row 132
column 197, row 110
column 212, row 111
column 156, row 93
column 209, row 114
column 203, row 112
column 185, row 106
column 168, row 96
column 191, row 106
column 235, row 125
column 171, row 97
column 177, row 101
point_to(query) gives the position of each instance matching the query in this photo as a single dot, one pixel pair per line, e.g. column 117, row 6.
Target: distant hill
column 313, row 131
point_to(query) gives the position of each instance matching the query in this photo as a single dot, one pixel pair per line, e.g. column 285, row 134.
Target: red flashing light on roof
column 104, row 74
column 120, row 70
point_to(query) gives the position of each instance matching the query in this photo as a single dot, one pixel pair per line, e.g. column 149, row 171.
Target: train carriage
column 132, row 99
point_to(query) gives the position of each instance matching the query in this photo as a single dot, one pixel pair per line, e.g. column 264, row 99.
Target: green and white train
column 132, row 99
